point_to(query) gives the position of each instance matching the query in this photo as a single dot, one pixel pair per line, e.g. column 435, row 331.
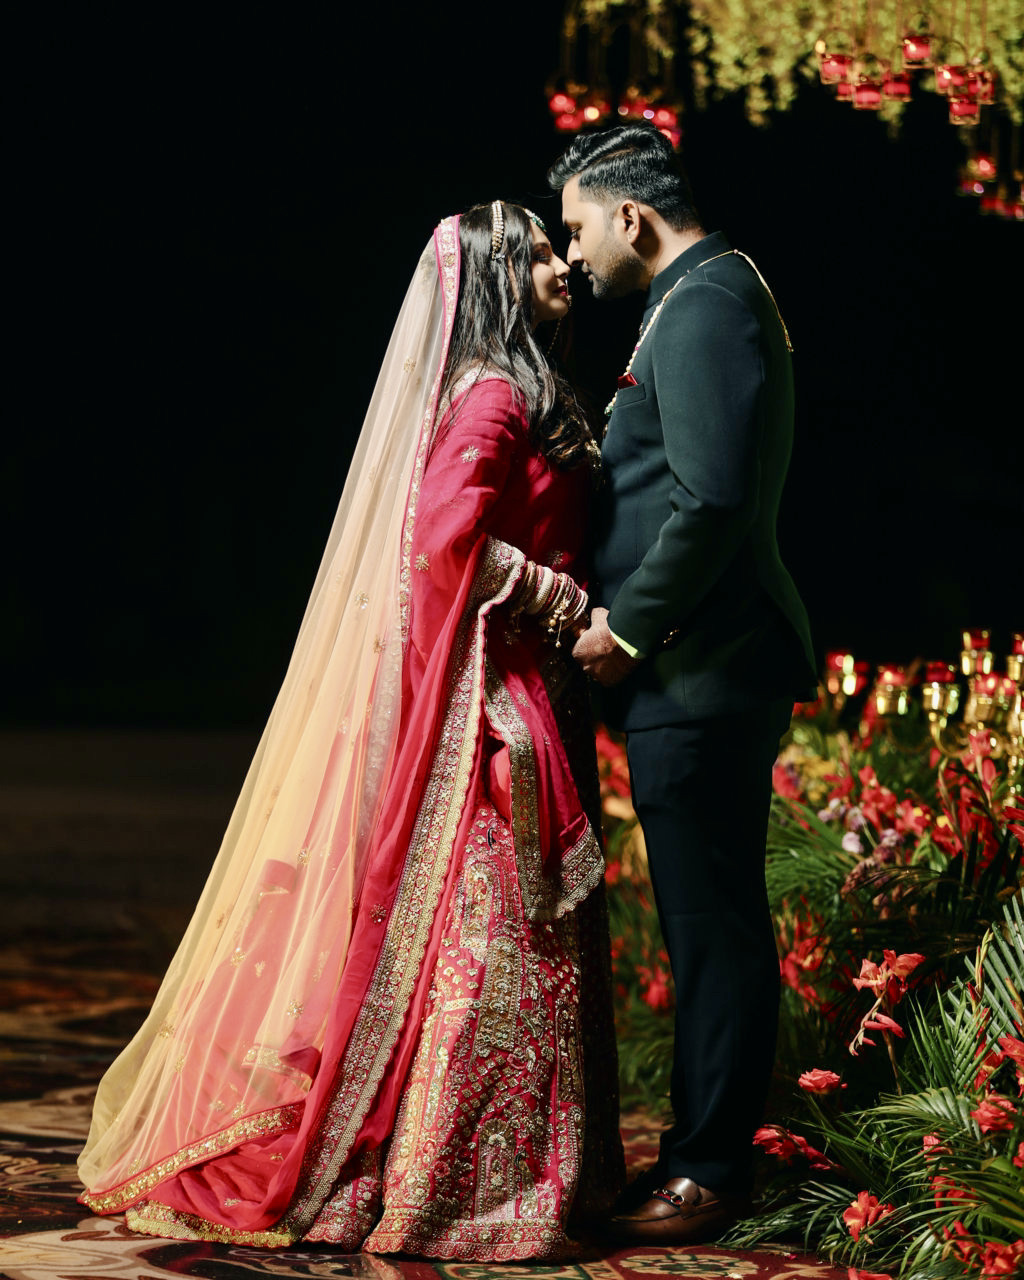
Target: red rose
column 818, row 1081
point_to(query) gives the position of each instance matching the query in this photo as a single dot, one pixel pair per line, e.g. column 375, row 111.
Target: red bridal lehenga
column 389, row 1023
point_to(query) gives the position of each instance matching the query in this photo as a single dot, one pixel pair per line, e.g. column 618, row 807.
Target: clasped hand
column 599, row 654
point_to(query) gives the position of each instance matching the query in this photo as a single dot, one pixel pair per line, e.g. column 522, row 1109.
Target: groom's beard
column 616, row 271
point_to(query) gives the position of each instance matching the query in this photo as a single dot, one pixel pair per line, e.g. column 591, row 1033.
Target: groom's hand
column 599, row 654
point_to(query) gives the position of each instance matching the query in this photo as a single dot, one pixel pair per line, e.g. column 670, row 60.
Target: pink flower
column 1002, row 1259
column 882, row 1022
column 818, row 1081
column 872, row 977
column 864, row 1212
column 931, row 1146
column 995, row 1114
column 903, row 965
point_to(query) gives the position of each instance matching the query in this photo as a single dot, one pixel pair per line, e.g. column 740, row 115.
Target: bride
column 389, row 1025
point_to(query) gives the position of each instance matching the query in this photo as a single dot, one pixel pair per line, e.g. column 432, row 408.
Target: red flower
column 805, row 957
column 855, row 1273
column 818, row 1081
column 872, row 977
column 995, row 1114
column 815, row 1158
column 864, row 1212
column 1018, row 1159
column 963, row 1242
column 779, row 1142
column 612, row 764
column 612, row 872
column 843, row 787
column 1011, row 811
column 776, row 1141
column 989, row 1063
column 882, row 1022
column 945, row 1189
column 902, row 965
column 1013, row 1049
column 658, row 993
column 786, row 781
column 931, row 1146
column 911, row 817
column 1002, row 1259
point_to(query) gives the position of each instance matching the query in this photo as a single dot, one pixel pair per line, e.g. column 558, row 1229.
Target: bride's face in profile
column 550, row 277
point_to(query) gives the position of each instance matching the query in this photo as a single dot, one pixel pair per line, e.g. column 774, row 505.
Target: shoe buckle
column 670, row 1197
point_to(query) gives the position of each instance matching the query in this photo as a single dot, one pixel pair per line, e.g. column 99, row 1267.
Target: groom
column 699, row 637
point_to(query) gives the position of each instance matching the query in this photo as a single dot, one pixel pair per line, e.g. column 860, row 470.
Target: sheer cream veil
column 277, row 906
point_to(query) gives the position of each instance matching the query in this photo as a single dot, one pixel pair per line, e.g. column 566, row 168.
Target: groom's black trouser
column 702, row 791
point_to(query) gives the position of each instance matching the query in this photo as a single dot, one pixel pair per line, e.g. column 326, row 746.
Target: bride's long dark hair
column 494, row 329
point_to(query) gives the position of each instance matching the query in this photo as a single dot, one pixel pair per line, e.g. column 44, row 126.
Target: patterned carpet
column 104, row 842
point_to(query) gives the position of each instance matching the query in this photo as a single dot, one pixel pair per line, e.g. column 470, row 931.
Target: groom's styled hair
column 631, row 161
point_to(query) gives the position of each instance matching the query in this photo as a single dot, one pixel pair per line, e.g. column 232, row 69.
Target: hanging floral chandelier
column 873, row 54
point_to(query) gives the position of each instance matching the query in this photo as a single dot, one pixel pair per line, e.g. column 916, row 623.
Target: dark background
column 216, row 219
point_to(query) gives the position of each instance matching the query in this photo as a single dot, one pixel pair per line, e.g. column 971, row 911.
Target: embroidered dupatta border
column 449, row 265
column 580, row 868
column 426, row 868
column 262, row 1125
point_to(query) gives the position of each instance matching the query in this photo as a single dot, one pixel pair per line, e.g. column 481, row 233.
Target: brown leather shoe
column 679, row 1212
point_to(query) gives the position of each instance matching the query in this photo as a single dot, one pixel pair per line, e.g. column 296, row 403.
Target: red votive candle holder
column 894, row 676
column 976, row 638
column 964, row 111
column 867, row 96
column 896, row 87
column 834, row 67
column 917, row 50
column 981, row 85
column 950, row 77
column 939, row 673
column 994, row 684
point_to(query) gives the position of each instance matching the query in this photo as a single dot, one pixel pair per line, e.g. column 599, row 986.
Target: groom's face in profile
column 596, row 241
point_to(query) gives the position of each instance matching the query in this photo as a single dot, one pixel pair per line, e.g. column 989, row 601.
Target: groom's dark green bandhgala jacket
column 695, row 458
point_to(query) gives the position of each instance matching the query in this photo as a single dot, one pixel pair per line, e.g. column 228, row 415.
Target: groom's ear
column 629, row 217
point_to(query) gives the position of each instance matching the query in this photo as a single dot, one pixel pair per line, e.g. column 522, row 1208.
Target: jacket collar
column 707, row 247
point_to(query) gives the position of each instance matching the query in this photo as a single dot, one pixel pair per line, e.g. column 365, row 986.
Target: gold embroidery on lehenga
column 499, row 1001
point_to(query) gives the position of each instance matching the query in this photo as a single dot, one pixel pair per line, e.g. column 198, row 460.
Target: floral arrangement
column 895, row 1132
